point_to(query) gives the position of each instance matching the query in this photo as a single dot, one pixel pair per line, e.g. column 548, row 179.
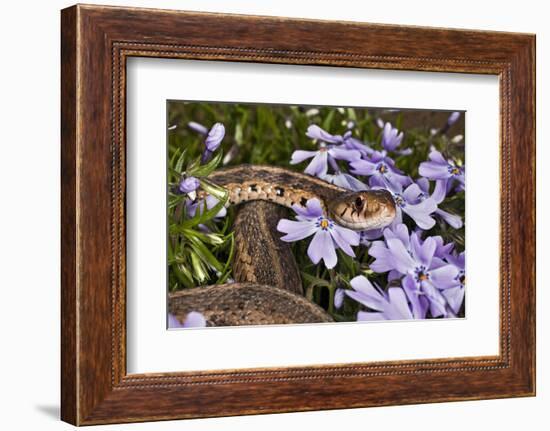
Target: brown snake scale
column 268, row 287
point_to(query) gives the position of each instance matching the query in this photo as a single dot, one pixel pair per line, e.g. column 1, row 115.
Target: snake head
column 371, row 209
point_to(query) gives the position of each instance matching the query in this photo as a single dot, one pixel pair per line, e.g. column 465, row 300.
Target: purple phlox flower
column 327, row 235
column 390, row 305
column 194, row 319
column 316, row 132
column 413, row 202
column 439, row 168
column 339, row 295
column 380, row 169
column 215, row 137
column 453, row 118
column 322, row 157
column 425, row 277
column 442, row 250
column 438, row 195
column 197, row 127
column 345, row 181
column 213, row 140
column 392, row 138
column 367, row 236
column 189, row 184
column 398, row 231
column 211, row 202
column 455, row 295
column 347, row 140
column 319, row 165
column 352, row 143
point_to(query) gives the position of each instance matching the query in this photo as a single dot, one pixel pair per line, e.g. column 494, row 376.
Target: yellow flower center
column 423, row 277
column 324, row 223
column 455, row 171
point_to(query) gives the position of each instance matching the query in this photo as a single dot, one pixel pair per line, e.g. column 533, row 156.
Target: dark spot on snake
column 359, row 203
column 253, row 187
column 343, row 212
column 303, row 202
column 280, row 191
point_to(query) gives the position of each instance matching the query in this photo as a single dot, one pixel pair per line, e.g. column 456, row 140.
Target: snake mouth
column 384, row 219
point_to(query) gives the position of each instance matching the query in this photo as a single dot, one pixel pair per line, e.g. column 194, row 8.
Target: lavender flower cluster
column 425, row 276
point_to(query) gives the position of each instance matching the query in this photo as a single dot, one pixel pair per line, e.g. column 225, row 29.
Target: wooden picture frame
column 96, row 41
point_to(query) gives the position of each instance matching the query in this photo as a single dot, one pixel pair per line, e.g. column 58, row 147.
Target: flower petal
column 189, row 185
column 437, row 301
column 319, row 165
column 399, row 307
column 402, row 232
column 211, row 202
column 384, row 258
column 437, row 157
column 365, row 293
column 424, row 185
column 315, row 132
column 355, row 144
column 420, row 213
column 418, row 303
column 215, row 137
column 440, row 191
column 411, row 193
column 402, row 261
column 322, row 247
column 339, row 296
column 363, row 167
column 434, row 171
column 444, row 277
column 346, row 181
column 343, row 234
column 344, row 154
column 299, row 156
column 313, row 209
column 423, row 252
column 454, row 297
column 173, row 322
column 194, row 319
column 199, row 128
column 452, row 220
column 296, row 230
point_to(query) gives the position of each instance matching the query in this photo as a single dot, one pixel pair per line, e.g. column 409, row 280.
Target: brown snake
column 268, row 287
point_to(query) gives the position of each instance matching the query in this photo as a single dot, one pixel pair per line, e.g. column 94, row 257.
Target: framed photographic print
column 267, row 208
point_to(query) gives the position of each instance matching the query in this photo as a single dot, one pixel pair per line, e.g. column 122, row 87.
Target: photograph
column 284, row 214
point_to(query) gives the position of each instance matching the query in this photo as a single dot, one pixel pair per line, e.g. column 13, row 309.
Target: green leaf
column 212, row 189
column 205, row 255
column 198, row 170
column 179, row 164
column 199, row 270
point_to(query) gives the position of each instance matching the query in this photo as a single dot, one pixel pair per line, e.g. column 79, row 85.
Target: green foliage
column 200, row 248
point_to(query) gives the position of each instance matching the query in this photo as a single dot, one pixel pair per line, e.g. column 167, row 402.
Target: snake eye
column 358, row 203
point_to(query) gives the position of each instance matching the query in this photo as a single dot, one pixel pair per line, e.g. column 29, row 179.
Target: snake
column 267, row 287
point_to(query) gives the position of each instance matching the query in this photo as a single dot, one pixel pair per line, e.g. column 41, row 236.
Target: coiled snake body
column 268, row 286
